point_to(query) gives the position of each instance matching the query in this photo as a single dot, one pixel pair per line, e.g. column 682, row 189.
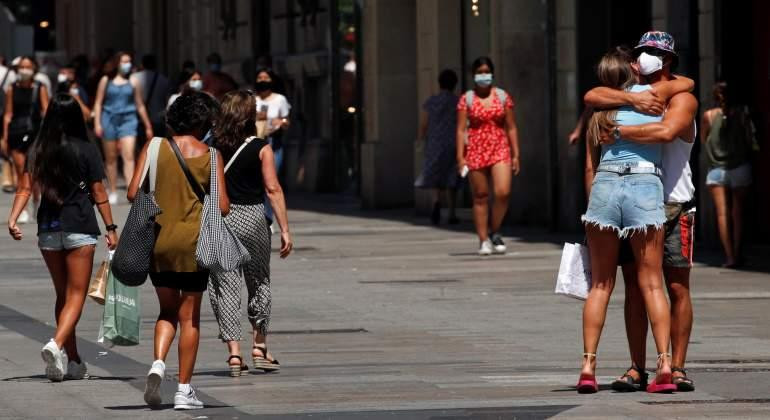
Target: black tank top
column 26, row 105
column 244, row 181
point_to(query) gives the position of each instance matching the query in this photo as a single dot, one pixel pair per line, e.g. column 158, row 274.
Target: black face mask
column 263, row 86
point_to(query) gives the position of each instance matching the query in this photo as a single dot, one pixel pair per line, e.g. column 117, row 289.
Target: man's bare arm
column 679, row 116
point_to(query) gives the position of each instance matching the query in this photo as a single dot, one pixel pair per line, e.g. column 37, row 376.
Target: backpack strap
column 232, row 159
column 502, row 96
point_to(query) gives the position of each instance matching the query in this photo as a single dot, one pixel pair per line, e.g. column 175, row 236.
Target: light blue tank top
column 625, row 151
column 119, row 99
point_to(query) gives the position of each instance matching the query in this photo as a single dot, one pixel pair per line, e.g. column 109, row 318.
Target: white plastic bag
column 574, row 277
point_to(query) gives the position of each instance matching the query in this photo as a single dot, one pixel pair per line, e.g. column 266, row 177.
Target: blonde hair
column 614, row 71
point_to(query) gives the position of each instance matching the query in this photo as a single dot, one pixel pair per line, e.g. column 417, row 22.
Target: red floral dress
column 487, row 140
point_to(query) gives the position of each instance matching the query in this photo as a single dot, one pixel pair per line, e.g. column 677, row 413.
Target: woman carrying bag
column 179, row 281
column 251, row 174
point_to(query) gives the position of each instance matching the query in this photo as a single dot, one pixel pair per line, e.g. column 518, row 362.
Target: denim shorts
column 117, row 126
column 625, row 203
column 730, row 178
column 59, row 241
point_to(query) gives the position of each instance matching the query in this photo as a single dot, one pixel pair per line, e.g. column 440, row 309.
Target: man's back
column 155, row 97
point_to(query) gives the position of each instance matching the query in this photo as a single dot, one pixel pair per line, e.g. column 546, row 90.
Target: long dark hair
column 53, row 164
column 237, row 121
column 614, row 71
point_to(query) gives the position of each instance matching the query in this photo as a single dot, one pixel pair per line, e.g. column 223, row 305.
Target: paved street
column 379, row 315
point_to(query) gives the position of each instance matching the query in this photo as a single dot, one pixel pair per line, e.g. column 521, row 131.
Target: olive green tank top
column 730, row 139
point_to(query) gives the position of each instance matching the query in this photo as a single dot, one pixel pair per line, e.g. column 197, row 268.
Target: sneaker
column 113, row 197
column 187, row 400
column 54, row 361
column 23, row 217
column 76, row 370
column 486, row 248
column 498, row 244
column 154, row 379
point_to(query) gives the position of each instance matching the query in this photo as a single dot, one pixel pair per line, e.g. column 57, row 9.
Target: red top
column 487, row 140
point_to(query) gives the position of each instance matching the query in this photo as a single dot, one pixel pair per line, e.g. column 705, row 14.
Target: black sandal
column 261, row 362
column 683, row 383
column 627, row 383
column 235, row 371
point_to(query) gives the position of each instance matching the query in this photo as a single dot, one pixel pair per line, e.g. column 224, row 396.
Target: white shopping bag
column 574, row 277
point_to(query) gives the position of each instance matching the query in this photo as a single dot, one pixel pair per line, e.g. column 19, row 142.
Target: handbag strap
column 197, row 189
column 151, row 163
column 232, row 159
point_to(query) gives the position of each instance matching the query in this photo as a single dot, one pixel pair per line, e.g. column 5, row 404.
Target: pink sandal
column 663, row 383
column 587, row 383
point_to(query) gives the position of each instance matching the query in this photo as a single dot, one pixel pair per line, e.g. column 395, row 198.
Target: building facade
column 357, row 72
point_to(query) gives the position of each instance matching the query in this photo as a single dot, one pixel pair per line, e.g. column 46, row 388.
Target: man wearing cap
column 655, row 58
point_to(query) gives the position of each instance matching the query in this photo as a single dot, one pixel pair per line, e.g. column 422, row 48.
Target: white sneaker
column 486, row 248
column 23, row 217
column 154, row 379
column 498, row 244
column 113, row 197
column 76, row 370
column 187, row 400
column 54, row 361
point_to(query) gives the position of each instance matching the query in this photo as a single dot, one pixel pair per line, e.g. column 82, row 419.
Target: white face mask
column 26, row 74
column 125, row 68
column 649, row 64
column 61, row 78
column 196, row 84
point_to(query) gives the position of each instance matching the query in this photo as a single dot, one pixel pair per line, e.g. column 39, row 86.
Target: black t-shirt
column 77, row 214
column 244, row 181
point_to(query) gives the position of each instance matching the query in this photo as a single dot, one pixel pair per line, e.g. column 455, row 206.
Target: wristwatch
column 111, row 228
column 616, row 132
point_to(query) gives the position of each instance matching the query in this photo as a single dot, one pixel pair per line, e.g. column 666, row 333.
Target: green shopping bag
column 121, row 320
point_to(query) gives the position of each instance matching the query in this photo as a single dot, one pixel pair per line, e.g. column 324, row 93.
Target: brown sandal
column 261, row 362
column 236, row 371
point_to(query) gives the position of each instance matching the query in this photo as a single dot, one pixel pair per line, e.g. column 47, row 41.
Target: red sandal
column 587, row 383
column 663, row 383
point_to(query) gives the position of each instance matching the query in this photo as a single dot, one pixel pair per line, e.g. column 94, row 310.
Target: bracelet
column 23, row 194
column 102, row 202
column 111, row 227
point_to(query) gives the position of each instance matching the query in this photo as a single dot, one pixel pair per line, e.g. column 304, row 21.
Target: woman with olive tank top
column 250, row 173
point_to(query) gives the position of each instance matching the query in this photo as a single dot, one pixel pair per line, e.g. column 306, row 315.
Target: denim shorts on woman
column 117, row 126
column 625, row 203
column 730, row 178
column 59, row 241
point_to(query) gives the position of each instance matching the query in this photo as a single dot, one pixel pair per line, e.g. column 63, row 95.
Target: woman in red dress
column 488, row 145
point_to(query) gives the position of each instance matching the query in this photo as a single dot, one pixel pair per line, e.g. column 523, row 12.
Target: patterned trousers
column 249, row 225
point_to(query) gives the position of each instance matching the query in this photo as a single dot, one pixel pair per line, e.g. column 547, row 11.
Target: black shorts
column 677, row 240
column 20, row 142
column 186, row 282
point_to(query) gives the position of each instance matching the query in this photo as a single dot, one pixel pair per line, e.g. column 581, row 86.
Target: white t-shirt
column 677, row 175
column 277, row 107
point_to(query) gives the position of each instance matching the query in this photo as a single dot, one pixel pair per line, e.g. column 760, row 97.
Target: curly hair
column 190, row 112
column 237, row 121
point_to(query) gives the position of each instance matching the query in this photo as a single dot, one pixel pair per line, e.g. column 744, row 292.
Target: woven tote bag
column 131, row 262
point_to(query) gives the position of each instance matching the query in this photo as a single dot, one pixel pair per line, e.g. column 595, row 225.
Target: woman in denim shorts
column 68, row 168
column 626, row 201
column 729, row 139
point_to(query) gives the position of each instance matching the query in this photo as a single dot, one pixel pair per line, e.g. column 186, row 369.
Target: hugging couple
column 640, row 132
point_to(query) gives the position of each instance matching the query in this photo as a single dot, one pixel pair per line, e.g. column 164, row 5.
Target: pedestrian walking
column 26, row 102
column 488, row 150
column 251, row 174
column 66, row 82
column 155, row 87
column 729, row 138
column 119, row 98
column 7, row 77
column 273, row 114
column 174, row 270
column 68, row 169
column 191, row 81
column 215, row 81
column 438, row 124
column 626, row 201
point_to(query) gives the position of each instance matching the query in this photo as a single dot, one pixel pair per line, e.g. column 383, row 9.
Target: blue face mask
column 483, row 79
column 125, row 68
